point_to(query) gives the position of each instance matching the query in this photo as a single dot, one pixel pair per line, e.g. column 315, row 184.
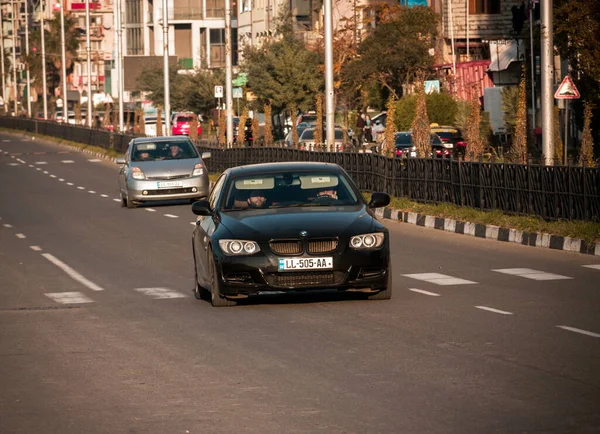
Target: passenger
column 175, row 151
column 144, row 156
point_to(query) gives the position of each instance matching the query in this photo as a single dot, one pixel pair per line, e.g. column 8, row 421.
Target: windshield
column 403, row 140
column 184, row 119
column 309, row 134
column 289, row 189
column 163, row 150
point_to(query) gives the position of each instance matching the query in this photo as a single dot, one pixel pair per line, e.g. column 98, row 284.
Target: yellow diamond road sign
column 567, row 89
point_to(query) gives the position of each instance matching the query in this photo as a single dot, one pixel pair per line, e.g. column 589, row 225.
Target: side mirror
column 202, row 207
column 379, row 199
column 206, row 155
column 121, row 160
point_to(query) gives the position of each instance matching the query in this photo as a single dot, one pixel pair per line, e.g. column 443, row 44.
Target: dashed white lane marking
column 94, row 160
column 52, row 176
column 596, row 266
column 12, row 164
column 70, row 183
column 37, row 168
column 193, row 223
column 171, row 216
column 420, row 291
column 158, row 293
column 91, row 191
column 45, row 172
column 20, row 161
column 69, row 297
column 439, row 279
column 491, row 309
column 30, row 165
column 576, row 330
column 67, row 161
column 104, row 195
column 80, row 188
column 20, row 236
column 41, row 162
column 61, row 179
column 5, row 140
column 150, row 209
column 532, row 274
column 36, row 248
column 117, row 200
column 6, row 225
column 72, row 273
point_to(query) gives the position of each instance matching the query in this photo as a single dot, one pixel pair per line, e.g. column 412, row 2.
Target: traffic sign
column 567, row 89
column 218, row 91
column 237, row 92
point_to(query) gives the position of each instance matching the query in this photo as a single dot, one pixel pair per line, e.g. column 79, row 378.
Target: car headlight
column 198, row 170
column 367, row 241
column 136, row 173
column 239, row 247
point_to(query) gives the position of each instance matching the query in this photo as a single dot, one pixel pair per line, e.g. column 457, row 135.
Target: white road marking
column 72, row 273
column 20, row 236
column 491, row 309
column 193, row 223
column 596, row 266
column 45, row 172
column 159, row 293
column 52, row 176
column 420, row 291
column 37, row 168
column 6, row 225
column 104, row 195
column 91, row 191
column 12, row 164
column 117, row 200
column 172, row 216
column 150, row 209
column 41, row 162
column 70, row 183
column 6, row 140
column 31, row 165
column 576, row 330
column 20, row 161
column 61, row 179
column 532, row 274
column 439, row 279
column 94, row 160
column 80, row 188
column 35, row 248
column 67, row 161
column 69, row 297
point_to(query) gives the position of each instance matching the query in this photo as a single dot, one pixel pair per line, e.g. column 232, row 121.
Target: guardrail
column 550, row 192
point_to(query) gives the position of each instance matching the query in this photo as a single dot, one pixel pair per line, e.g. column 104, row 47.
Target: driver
column 175, row 151
column 327, row 192
column 257, row 199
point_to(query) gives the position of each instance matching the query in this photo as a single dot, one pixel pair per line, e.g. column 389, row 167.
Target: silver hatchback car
column 162, row 168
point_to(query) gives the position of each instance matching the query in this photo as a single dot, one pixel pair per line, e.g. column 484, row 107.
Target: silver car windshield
column 163, row 150
column 289, row 189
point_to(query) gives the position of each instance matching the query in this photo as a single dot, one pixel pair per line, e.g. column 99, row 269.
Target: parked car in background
column 405, row 147
column 451, row 135
column 300, row 128
column 182, row 123
column 162, row 168
column 378, row 123
column 306, row 140
column 150, row 126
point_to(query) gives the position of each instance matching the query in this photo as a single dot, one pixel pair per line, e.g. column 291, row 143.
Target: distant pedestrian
column 368, row 130
column 360, row 126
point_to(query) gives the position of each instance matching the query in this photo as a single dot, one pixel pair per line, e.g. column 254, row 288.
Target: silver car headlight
column 136, row 173
column 239, row 247
column 367, row 241
column 198, row 170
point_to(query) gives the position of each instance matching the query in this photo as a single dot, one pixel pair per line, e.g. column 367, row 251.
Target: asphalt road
column 100, row 332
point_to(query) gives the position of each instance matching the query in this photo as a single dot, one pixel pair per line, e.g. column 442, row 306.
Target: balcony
column 96, row 33
column 186, row 13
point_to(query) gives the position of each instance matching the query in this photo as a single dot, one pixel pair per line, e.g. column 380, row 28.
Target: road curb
column 491, row 232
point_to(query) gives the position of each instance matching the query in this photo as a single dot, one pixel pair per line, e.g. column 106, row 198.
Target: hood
column 167, row 167
column 289, row 222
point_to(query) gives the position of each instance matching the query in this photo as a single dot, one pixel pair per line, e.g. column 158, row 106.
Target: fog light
column 194, row 189
column 145, row 192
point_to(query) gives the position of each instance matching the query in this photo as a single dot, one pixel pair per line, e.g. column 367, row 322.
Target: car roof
column 160, row 139
column 262, row 168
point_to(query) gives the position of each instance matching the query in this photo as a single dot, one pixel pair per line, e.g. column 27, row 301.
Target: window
column 484, row 7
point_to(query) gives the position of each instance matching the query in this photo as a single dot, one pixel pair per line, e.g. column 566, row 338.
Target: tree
column 52, row 42
column 586, row 153
column 518, row 149
column 441, row 109
column 397, row 50
column 390, row 129
column 421, row 132
column 473, row 130
column 284, row 71
column 510, row 105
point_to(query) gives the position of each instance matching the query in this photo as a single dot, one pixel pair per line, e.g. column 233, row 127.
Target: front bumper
column 148, row 190
column 352, row 269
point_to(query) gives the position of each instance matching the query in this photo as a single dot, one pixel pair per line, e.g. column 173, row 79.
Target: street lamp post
column 27, row 75
column 119, row 28
column 165, row 23
column 329, row 97
column 44, row 78
column 3, row 68
column 89, row 63
column 547, row 60
column 14, row 56
column 65, row 118
column 229, row 77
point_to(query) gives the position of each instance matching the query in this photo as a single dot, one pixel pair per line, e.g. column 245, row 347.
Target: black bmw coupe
column 289, row 227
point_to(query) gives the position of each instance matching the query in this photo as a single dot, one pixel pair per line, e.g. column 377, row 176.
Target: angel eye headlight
column 367, row 241
column 238, row 247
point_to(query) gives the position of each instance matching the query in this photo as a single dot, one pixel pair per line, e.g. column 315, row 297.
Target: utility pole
column 547, row 60
column 229, row 77
column 329, row 96
column 65, row 118
column 119, row 63
column 532, row 66
column 3, row 68
column 88, row 50
column 165, row 13
column 27, row 76
column 14, row 56
column 44, row 84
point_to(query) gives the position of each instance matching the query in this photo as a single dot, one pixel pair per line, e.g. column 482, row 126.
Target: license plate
column 287, row 264
column 169, row 184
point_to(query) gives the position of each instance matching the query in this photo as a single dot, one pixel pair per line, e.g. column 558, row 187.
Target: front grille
column 169, row 191
column 167, row 177
column 316, row 246
column 305, row 278
column 286, row 247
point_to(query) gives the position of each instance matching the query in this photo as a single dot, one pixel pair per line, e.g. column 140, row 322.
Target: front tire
column 216, row 298
column 386, row 293
column 129, row 203
column 199, row 292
